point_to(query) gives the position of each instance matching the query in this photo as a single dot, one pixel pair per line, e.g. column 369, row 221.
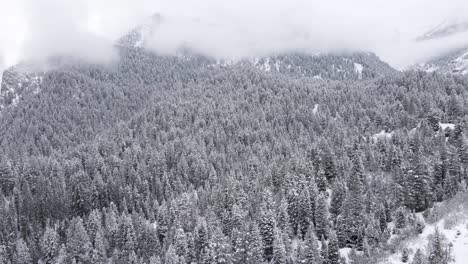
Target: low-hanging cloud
column 40, row 29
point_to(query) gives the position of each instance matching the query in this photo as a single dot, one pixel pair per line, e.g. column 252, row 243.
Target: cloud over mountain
column 43, row 28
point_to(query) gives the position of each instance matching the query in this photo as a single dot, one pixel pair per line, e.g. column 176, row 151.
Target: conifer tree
column 437, row 250
column 62, row 255
column 352, row 223
column 267, row 226
column 220, row 248
column 201, row 241
column 321, row 217
column 333, row 250
column 324, row 250
column 311, row 254
column 279, row 250
column 337, row 199
column 78, row 244
column 98, row 254
column 49, row 245
column 418, row 257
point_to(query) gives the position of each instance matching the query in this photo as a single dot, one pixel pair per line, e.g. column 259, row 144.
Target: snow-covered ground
column 382, row 135
column 358, row 69
column 314, row 111
column 453, row 225
column 444, row 126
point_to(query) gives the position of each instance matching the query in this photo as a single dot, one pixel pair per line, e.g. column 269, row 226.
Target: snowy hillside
column 17, row 81
column 355, row 66
column 137, row 37
column 450, row 219
column 447, row 28
column 453, row 63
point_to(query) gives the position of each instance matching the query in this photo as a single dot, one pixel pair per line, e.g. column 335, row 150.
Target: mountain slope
column 185, row 159
column 453, row 62
column 448, row 27
column 355, row 66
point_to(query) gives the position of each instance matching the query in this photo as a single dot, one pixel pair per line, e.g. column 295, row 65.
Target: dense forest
column 171, row 160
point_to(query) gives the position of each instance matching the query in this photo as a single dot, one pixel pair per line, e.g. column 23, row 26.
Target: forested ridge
column 163, row 159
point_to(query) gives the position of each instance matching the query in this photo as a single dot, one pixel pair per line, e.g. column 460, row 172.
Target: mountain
column 452, row 62
column 351, row 66
column 448, row 27
column 359, row 65
column 456, row 62
column 188, row 159
column 24, row 78
column 138, row 36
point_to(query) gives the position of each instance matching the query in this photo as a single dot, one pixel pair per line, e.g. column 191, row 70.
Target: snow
column 344, row 252
column 358, row 69
column 277, row 66
column 444, row 126
column 266, row 65
column 318, row 77
column 225, row 63
column 453, row 226
column 382, row 135
column 430, row 68
column 457, row 235
column 461, row 63
column 314, row 111
column 15, row 100
column 460, row 244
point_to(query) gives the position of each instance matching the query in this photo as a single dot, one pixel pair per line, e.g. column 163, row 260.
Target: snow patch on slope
column 454, row 63
column 315, row 110
column 461, row 63
column 452, row 223
column 382, row 135
column 358, row 70
column 444, row 126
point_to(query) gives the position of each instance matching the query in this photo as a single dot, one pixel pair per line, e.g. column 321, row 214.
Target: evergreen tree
column 293, row 208
column 337, row 199
column 49, row 245
column 321, row 217
column 78, row 244
column 305, row 210
column 267, row 226
column 279, row 250
column 98, row 254
column 321, row 181
column 254, row 251
column 324, row 250
column 333, row 250
column 283, row 221
column 418, row 257
column 62, row 255
column 220, row 248
column 438, row 253
column 180, row 242
column 329, row 167
column 201, row 241
column 312, row 254
column 171, row 256
column 352, row 223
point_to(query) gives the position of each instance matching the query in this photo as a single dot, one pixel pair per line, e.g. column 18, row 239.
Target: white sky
column 38, row 29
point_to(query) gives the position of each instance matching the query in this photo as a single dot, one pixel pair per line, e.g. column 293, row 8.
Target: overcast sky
column 38, row 29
